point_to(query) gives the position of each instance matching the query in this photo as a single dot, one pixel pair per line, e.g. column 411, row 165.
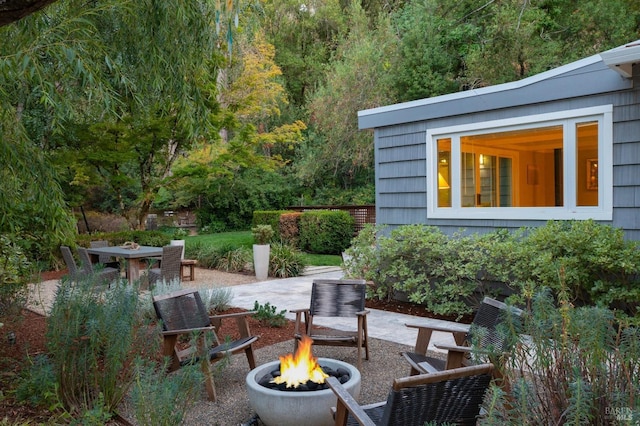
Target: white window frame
column 603, row 211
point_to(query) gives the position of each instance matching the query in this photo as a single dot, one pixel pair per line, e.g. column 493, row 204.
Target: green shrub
column 362, row 258
column 593, row 262
column 250, row 189
column 325, row 231
column 174, row 232
column 161, row 399
column 144, row 238
column 37, row 384
column 262, row 234
column 93, row 338
column 269, row 314
column 432, row 268
column 233, row 259
column 206, row 255
column 576, row 365
column 217, row 299
column 285, row 261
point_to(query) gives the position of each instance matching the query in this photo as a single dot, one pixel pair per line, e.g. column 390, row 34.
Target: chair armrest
column 187, row 331
column 455, row 348
column 234, row 315
column 241, row 321
column 365, row 312
column 346, row 405
column 458, row 330
column 295, row 311
column 427, row 368
column 451, row 327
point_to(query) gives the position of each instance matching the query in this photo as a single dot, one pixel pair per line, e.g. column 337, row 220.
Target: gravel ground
column 232, row 407
column 208, row 278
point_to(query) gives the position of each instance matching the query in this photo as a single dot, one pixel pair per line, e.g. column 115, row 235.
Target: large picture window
column 551, row 166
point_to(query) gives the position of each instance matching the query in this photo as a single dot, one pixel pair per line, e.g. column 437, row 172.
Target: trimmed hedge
column 290, row 228
column 269, row 217
column 326, row 231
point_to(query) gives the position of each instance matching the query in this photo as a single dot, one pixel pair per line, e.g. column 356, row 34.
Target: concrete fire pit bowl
column 291, row 408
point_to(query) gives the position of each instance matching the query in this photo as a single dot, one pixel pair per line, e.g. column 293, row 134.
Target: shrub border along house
column 591, row 262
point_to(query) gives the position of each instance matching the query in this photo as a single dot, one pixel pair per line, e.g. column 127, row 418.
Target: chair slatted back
column 170, row 264
column 85, row 260
column 454, row 398
column 181, row 310
column 484, row 331
column 337, row 298
column 103, row 258
column 69, row 260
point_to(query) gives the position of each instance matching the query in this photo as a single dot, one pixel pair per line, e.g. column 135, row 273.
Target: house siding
column 400, row 148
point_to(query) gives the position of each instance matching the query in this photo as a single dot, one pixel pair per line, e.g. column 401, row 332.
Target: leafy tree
column 46, row 77
column 432, row 46
column 228, row 180
column 76, row 64
column 305, row 35
column 336, row 153
column 518, row 39
column 255, row 95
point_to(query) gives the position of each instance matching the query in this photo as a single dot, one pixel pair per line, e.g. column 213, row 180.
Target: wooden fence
column 361, row 214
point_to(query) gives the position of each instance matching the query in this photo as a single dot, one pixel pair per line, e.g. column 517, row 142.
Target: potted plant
column 262, row 235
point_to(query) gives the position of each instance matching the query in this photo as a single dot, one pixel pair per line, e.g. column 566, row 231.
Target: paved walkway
column 295, row 293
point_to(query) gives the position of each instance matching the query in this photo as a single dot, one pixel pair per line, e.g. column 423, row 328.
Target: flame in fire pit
column 298, row 369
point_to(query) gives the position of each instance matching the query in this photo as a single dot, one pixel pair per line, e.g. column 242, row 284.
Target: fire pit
column 301, row 397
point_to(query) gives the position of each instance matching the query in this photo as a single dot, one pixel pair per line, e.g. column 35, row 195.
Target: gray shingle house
column 564, row 144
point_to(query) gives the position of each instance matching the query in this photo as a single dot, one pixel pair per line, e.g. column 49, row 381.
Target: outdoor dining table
column 135, row 257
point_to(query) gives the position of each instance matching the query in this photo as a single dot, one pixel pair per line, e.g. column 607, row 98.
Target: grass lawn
column 245, row 239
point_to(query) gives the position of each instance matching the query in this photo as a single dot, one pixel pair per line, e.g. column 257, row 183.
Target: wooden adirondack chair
column 183, row 313
column 335, row 298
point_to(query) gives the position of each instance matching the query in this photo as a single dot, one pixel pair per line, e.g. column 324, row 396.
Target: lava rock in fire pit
column 341, row 374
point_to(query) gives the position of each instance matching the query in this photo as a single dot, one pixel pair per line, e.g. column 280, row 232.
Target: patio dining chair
column 104, row 259
column 170, row 266
column 72, row 267
column 106, row 274
column 185, row 264
column 183, row 313
column 446, row 397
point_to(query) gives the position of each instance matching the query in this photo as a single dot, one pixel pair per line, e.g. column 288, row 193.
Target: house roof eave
column 621, row 59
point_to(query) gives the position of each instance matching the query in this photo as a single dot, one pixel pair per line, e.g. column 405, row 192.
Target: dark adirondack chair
column 446, row 397
column 183, row 313
column 483, row 334
column 335, row 298
column 106, row 274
